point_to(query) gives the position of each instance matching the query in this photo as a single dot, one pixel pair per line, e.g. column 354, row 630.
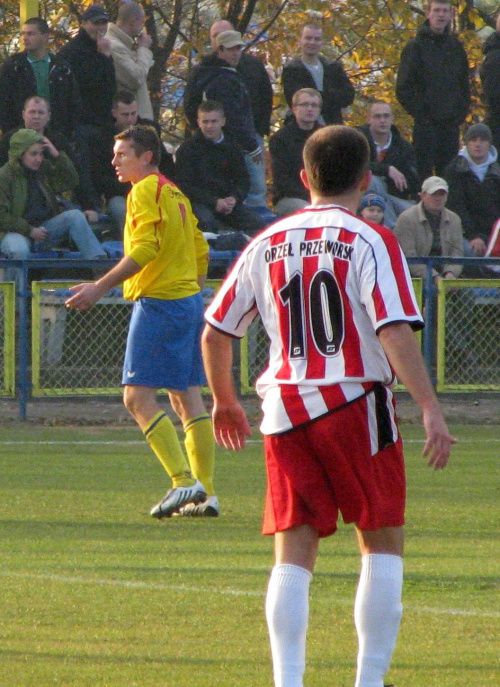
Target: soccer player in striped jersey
column 335, row 297
column 164, row 266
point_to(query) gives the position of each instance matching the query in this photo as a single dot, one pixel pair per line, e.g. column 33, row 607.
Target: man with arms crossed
column 164, row 265
column 335, row 297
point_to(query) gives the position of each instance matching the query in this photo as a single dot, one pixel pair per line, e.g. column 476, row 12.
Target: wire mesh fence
column 468, row 335
column 74, row 353
column 7, row 337
column 77, row 352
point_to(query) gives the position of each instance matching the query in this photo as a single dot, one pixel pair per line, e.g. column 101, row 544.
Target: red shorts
column 334, row 464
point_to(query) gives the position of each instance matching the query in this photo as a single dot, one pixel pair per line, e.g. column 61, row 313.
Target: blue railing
column 221, row 259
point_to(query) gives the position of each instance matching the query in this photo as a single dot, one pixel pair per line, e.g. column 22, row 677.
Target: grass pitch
column 95, row 592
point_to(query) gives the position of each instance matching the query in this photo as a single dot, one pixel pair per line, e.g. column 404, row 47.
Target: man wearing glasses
column 286, row 146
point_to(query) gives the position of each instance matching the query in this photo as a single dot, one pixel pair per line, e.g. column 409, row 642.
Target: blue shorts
column 163, row 344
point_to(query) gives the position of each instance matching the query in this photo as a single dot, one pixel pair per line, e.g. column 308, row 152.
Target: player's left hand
column 86, row 295
column 231, row 426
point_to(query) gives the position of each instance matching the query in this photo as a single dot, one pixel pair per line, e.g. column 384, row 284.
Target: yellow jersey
column 162, row 236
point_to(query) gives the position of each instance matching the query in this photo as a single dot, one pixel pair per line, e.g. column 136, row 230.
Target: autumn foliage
column 367, row 35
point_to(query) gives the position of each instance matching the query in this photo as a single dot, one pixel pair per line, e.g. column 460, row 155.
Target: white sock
column 377, row 614
column 287, row 614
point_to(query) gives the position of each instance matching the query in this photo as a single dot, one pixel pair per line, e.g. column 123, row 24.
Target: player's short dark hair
column 43, row 27
column 335, row 159
column 123, row 96
column 211, row 106
column 142, row 138
column 37, row 99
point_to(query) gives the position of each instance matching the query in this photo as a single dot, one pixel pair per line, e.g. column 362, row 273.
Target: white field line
column 22, row 442
column 136, row 584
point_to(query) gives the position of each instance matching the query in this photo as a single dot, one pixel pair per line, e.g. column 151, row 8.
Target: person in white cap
column 429, row 228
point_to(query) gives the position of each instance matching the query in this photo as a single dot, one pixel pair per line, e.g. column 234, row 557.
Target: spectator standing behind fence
column 429, row 228
column 211, row 170
column 36, row 71
column 473, row 177
column 124, row 114
column 286, row 147
column 310, row 69
column 336, row 300
column 393, row 162
column 29, row 211
column 132, row 57
column 490, row 80
column 166, row 259
column 37, row 116
column 433, row 87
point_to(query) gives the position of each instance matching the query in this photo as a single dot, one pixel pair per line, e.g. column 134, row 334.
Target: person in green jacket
column 30, row 215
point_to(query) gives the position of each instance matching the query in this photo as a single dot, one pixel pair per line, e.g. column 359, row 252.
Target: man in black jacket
column 393, row 162
column 286, row 148
column 211, row 171
column 124, row 114
column 216, row 78
column 36, row 71
column 89, row 55
column 433, row 87
column 310, row 69
column 490, row 80
column 474, row 180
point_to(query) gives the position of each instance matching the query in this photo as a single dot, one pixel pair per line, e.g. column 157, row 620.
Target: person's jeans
column 257, row 195
column 69, row 224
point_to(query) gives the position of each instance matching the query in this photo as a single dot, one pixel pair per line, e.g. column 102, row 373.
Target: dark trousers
column 435, row 145
column 242, row 218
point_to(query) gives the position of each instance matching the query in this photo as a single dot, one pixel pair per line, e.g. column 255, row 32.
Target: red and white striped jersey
column 324, row 282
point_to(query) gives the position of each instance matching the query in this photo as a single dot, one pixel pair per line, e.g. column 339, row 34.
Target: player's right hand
column 231, row 426
column 439, row 441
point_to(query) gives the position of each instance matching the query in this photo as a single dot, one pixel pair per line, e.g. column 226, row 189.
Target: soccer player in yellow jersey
column 165, row 264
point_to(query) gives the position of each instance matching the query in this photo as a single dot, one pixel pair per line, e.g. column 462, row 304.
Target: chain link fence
column 74, row 353
column 7, row 337
column 468, row 335
column 77, row 352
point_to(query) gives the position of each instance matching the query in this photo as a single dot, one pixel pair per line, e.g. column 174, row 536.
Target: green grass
column 95, row 592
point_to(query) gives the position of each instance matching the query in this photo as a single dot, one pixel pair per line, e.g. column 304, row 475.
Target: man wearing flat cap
column 474, row 180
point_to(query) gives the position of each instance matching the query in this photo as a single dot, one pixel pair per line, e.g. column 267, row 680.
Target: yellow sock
column 162, row 437
column 200, row 447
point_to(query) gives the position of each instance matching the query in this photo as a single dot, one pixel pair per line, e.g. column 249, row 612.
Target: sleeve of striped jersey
column 234, row 307
column 385, row 284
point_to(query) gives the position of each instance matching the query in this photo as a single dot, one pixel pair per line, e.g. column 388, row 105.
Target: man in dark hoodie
column 211, row 171
column 490, row 80
column 393, row 162
column 29, row 212
column 433, row 87
column 474, row 180
column 286, row 147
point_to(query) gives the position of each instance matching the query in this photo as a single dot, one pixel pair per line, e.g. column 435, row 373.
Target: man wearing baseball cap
column 474, row 180
column 217, row 79
column 429, row 228
column 89, row 55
